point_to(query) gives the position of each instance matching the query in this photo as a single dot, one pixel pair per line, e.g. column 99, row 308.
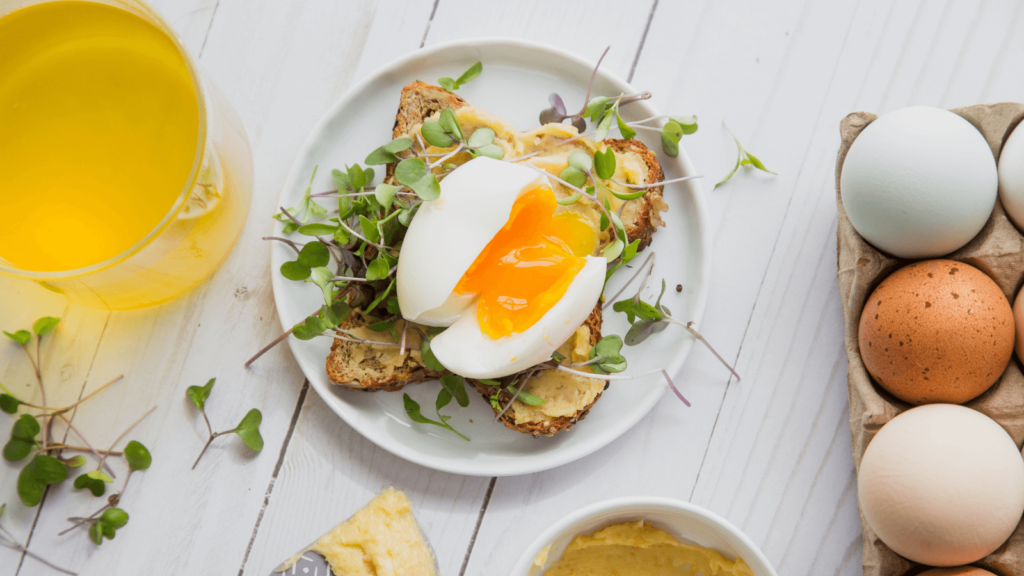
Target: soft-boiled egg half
column 495, row 261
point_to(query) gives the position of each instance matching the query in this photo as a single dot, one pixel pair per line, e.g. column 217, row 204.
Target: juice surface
column 99, row 126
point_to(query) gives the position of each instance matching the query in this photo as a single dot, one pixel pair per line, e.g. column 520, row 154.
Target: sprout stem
column 86, row 442
column 656, row 184
column 650, row 258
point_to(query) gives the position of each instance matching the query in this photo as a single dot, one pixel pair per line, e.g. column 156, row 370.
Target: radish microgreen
column 471, row 73
column 743, row 158
column 248, row 429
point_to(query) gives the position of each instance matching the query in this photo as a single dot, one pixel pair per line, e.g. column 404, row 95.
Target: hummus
column 639, row 549
column 382, row 539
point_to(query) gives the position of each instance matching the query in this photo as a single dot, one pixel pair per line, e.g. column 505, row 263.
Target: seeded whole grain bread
column 370, row 368
column 350, row 366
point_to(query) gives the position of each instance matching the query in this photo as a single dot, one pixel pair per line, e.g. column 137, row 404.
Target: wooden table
column 771, row 453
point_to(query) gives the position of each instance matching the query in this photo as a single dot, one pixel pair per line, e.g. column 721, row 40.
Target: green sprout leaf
column 295, row 270
column 607, row 349
column 412, row 408
column 309, row 328
column 75, row 461
column 249, row 430
column 317, row 229
column 596, row 108
column 743, row 158
column 613, row 250
column 39, row 473
column 9, row 404
column 629, row 252
column 385, row 194
column 581, row 161
column 605, row 124
column 138, row 456
column 450, row 123
column 380, row 297
column 436, row 135
column 604, row 164
column 314, row 254
column 573, row 176
column 96, row 533
column 568, row 200
column 94, row 485
column 388, row 153
column 526, row 398
column 429, row 360
column 378, row 269
column 626, row 131
column 456, row 386
column 199, row 394
column 44, row 325
column 21, row 336
column 369, row 228
column 413, row 172
column 481, row 137
column 115, row 517
column 23, row 438
column 470, row 74
column 491, row 151
column 448, row 84
column 671, row 133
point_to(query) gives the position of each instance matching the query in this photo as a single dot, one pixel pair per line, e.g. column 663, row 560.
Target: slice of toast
column 372, row 368
column 357, row 366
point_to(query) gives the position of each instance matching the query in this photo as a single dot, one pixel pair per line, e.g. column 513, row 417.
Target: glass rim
column 143, row 10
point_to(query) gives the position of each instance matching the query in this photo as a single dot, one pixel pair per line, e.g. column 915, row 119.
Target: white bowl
column 684, row 521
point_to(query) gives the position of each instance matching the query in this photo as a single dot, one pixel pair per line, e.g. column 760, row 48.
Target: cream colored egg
column 942, row 485
column 1018, row 322
column 919, row 182
column 1011, row 176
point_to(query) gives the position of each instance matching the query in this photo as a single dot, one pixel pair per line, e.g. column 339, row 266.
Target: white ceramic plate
column 515, row 83
column 684, row 521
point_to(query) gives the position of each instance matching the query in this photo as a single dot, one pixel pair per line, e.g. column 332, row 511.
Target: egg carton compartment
column 998, row 251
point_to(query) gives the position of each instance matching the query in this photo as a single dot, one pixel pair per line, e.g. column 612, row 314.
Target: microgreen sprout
column 743, row 158
column 248, row 429
column 471, row 73
column 452, row 386
column 9, row 541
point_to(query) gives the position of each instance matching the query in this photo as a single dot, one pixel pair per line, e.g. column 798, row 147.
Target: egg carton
column 998, row 251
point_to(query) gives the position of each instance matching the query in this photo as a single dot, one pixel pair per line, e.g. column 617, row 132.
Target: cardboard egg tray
column 998, row 250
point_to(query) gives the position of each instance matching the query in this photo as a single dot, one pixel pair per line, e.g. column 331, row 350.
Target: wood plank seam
column 479, row 521
column 426, row 31
column 277, row 469
column 643, row 38
column 208, row 27
column 67, row 429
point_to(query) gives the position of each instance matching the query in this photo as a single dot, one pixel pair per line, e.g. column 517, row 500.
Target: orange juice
column 99, row 132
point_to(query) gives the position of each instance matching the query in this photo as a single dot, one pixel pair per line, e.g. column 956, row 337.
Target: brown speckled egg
column 936, row 331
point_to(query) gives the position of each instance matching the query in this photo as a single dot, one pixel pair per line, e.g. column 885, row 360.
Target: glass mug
column 174, row 250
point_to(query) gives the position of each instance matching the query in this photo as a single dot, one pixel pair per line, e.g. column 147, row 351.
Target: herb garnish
column 467, row 76
column 743, row 158
column 248, row 429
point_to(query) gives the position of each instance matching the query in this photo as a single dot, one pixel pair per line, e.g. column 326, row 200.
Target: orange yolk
column 528, row 265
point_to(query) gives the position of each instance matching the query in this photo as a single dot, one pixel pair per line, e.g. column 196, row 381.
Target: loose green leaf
column 138, row 456
column 604, row 164
column 480, row 137
column 385, row 194
column 624, row 129
column 671, row 133
column 357, row 176
column 412, row 408
column 743, row 158
column 581, row 161
column 491, row 151
column 608, row 349
column 199, row 394
column 21, row 336
column 314, row 254
column 75, row 461
column 309, row 328
column 456, row 386
column 393, row 307
column 637, row 309
column 317, row 229
column 573, row 176
column 322, row 277
column 572, row 199
column 626, row 196
column 115, row 517
column 429, row 360
column 100, row 475
column 44, row 325
column 94, row 485
column 39, row 473
column 450, row 123
column 295, row 270
column 336, row 313
column 249, row 430
column 9, row 404
column 470, row 74
column 557, row 357
column 377, row 269
column 448, row 83
column 413, row 172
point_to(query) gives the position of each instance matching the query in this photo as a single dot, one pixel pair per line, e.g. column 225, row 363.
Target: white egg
column 919, row 182
column 466, row 350
column 447, row 234
column 1011, row 176
column 942, row 485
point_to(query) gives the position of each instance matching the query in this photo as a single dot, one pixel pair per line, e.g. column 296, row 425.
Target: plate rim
column 556, row 458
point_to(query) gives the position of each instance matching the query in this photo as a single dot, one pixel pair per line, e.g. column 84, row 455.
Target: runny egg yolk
column 528, row 265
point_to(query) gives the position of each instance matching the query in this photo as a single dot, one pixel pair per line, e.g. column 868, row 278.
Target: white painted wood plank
column 331, row 471
column 281, row 65
column 779, row 462
column 584, row 27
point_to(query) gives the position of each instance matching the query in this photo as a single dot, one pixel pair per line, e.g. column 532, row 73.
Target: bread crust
column 646, row 221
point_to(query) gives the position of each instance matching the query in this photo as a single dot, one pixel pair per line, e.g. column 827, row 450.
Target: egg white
column 447, row 235
column 466, row 350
